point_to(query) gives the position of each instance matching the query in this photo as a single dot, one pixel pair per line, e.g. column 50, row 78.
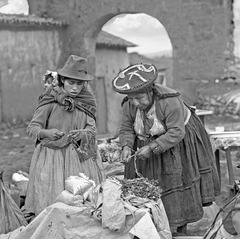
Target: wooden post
column 1, row 98
column 217, row 158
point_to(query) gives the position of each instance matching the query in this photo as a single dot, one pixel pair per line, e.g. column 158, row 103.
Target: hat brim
column 75, row 75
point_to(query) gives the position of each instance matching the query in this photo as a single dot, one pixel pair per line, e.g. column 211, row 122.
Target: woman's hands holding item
column 126, row 154
column 144, row 152
column 76, row 135
column 52, row 134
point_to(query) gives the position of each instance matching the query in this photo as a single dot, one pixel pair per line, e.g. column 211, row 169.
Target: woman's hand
column 76, row 135
column 143, row 153
column 126, row 154
column 52, row 134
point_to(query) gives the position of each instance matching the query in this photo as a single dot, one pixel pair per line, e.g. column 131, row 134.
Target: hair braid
column 163, row 96
column 125, row 99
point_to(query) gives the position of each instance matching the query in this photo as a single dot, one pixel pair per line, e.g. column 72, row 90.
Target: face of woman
column 141, row 100
column 73, row 87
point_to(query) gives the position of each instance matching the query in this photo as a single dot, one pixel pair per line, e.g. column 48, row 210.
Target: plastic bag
column 11, row 216
column 21, row 181
column 79, row 185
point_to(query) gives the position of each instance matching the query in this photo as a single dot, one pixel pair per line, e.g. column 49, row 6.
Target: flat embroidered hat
column 134, row 78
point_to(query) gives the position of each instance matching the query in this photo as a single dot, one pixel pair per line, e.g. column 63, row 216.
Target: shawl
column 84, row 101
column 86, row 147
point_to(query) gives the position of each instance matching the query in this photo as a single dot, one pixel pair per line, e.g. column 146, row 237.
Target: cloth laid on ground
column 12, row 234
column 106, row 216
column 63, row 221
column 11, row 216
column 116, row 208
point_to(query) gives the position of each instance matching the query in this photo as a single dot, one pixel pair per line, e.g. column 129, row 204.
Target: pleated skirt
column 187, row 174
column 48, row 170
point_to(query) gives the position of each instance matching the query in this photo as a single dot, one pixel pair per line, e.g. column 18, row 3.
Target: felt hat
column 134, row 78
column 75, row 68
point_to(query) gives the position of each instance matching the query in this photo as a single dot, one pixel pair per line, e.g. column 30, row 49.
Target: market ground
column 16, row 148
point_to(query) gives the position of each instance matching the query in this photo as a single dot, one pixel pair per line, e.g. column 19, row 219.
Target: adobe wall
column 108, row 64
column 199, row 31
column 26, row 53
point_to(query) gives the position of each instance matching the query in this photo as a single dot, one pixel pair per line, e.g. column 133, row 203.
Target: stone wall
column 26, row 53
column 199, row 30
column 109, row 61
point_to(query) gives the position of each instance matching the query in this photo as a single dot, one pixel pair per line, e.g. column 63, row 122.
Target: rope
column 135, row 166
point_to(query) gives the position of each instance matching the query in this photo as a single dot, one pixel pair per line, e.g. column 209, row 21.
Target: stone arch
column 96, row 26
column 109, row 107
column 199, row 31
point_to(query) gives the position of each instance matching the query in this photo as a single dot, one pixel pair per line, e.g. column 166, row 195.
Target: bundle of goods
column 21, row 179
column 77, row 190
column 110, row 151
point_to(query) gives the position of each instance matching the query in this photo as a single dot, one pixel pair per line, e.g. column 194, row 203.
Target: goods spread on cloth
column 105, row 212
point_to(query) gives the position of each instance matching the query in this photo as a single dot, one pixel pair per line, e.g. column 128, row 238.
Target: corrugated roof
column 30, row 20
column 105, row 38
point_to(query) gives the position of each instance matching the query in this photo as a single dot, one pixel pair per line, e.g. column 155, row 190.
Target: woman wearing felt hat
column 64, row 129
column 169, row 142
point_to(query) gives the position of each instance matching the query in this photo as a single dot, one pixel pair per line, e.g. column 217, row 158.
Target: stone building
column 201, row 33
column 111, row 57
column 28, row 46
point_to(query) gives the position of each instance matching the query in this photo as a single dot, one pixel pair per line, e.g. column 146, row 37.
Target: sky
column 15, row 7
column 141, row 29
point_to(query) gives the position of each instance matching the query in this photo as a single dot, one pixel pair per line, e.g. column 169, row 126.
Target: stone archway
column 199, row 32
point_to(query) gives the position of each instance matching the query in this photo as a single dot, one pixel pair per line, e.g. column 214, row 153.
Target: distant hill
column 161, row 62
column 158, row 54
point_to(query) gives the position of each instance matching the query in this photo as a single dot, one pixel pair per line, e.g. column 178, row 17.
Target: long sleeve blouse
column 52, row 116
column 171, row 111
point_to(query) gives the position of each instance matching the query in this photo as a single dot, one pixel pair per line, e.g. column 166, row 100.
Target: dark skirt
column 187, row 174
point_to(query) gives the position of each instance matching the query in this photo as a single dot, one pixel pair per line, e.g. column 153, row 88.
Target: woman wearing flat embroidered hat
column 170, row 144
column 64, row 129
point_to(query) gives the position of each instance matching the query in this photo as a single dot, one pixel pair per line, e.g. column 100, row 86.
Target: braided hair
column 156, row 93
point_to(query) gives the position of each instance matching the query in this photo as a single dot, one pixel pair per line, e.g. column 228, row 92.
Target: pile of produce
column 141, row 187
column 110, row 152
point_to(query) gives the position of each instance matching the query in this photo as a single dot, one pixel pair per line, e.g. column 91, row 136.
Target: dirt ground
column 16, row 150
